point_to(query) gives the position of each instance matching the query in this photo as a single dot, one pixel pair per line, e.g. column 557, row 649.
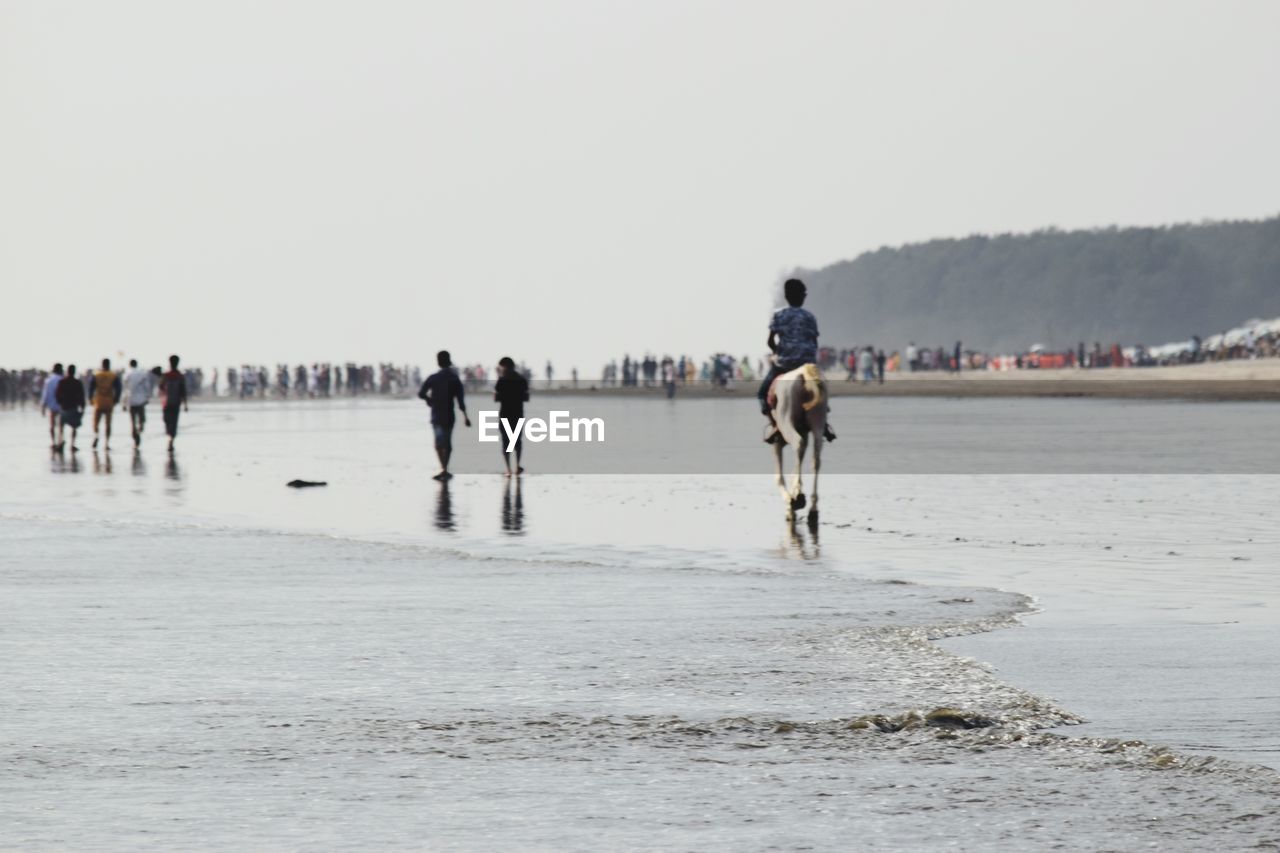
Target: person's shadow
column 513, row 508
column 444, row 508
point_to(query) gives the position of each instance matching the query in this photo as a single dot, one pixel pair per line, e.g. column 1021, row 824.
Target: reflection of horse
column 798, row 400
column 803, row 545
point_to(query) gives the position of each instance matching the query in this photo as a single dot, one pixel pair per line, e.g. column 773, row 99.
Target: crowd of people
column 65, row 398
column 864, row 363
column 316, row 380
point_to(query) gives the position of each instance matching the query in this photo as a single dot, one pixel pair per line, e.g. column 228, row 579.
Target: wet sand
column 573, row 661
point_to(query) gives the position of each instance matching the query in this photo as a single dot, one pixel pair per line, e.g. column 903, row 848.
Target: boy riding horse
column 793, row 338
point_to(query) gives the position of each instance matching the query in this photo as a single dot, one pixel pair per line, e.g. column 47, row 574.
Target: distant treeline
column 1004, row 293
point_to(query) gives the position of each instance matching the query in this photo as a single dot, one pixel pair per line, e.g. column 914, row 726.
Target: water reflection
column 171, row 470
column 59, row 463
column 513, row 508
column 802, row 542
column 139, row 468
column 444, row 508
column 102, row 464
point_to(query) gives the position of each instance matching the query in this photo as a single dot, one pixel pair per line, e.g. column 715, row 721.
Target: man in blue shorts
column 439, row 390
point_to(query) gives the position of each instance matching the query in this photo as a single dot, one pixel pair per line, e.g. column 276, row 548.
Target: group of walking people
column 66, row 397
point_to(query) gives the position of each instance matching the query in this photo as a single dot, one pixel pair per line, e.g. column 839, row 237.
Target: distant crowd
column 318, row 379
column 864, row 363
column 651, row 371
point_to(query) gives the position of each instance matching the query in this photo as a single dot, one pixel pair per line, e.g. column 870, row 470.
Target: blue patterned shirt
column 797, row 335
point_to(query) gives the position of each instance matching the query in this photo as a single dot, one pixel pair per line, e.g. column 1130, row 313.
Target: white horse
column 799, row 403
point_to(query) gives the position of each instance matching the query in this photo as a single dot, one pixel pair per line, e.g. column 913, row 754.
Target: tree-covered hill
column 1007, row 292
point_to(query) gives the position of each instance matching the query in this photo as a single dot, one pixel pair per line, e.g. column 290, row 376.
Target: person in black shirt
column 439, row 390
column 173, row 398
column 71, row 400
column 511, row 392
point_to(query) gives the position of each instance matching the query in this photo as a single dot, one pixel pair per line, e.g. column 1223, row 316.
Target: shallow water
column 198, row 655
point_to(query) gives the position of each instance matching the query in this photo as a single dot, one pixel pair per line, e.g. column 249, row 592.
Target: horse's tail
column 814, row 386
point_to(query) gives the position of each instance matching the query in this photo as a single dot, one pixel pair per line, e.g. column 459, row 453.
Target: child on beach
column 793, row 338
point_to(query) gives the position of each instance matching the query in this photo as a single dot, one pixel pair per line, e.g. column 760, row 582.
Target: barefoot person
column 137, row 386
column 49, row 403
column 71, row 399
column 173, row 398
column 512, row 392
column 106, row 393
column 440, row 390
column 793, row 338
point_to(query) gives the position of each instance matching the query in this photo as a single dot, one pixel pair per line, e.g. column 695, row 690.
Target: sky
column 570, row 180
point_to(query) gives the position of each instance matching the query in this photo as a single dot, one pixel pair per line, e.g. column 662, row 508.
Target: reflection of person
column 71, row 400
column 106, row 393
column 439, row 390
column 444, row 507
column 173, row 398
column 513, row 509
column 512, row 392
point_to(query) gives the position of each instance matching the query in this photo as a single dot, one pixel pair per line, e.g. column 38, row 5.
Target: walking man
column 71, row 400
column 439, row 390
column 137, row 385
column 49, row 403
column 173, row 398
column 106, row 393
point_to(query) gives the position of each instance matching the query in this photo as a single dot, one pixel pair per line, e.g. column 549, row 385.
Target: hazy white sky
column 311, row 180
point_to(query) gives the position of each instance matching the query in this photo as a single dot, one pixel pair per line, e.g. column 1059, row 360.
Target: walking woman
column 511, row 392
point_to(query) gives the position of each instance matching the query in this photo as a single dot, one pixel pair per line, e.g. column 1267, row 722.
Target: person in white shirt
column 49, row 403
column 138, row 385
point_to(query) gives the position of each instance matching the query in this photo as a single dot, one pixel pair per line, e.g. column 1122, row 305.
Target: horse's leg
column 782, row 482
column 817, row 464
column 797, row 489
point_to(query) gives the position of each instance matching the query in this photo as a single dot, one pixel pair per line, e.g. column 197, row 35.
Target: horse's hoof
column 798, row 502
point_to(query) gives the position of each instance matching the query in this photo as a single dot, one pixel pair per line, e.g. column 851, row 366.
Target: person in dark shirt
column 71, row 399
column 173, row 398
column 440, row 390
column 512, row 392
column 793, row 338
